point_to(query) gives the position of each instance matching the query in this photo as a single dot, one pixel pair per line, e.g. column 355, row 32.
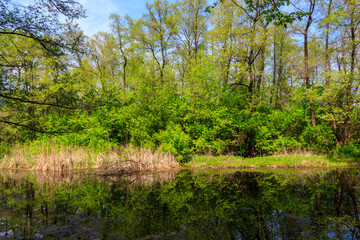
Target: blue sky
column 98, row 12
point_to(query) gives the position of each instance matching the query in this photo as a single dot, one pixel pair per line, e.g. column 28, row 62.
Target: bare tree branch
column 34, row 129
column 35, row 102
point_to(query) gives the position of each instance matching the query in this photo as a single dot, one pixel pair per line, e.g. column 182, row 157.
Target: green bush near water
column 352, row 151
column 217, row 133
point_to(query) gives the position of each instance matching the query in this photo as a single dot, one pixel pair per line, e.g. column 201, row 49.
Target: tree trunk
column 327, row 73
column 306, row 62
column 349, row 101
column 274, row 76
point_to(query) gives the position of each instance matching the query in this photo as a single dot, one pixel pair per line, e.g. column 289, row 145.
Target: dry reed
column 295, row 152
column 141, row 159
column 65, row 159
column 55, row 158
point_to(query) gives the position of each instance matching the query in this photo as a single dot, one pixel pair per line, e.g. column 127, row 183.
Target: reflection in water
column 182, row 205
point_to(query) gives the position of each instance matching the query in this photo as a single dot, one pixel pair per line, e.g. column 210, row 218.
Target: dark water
column 182, row 205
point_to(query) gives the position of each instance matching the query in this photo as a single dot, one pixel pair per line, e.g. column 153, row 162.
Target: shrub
column 350, row 151
column 319, row 138
column 175, row 140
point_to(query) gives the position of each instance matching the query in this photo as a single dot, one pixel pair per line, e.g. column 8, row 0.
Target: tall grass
column 52, row 156
column 55, row 158
column 142, row 159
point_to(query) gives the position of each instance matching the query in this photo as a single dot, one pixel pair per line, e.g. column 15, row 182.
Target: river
column 189, row 204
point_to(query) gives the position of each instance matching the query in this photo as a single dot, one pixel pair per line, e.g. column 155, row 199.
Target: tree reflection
column 242, row 205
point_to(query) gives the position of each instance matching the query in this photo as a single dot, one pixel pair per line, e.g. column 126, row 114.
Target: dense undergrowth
column 101, row 136
column 183, row 133
column 209, row 130
column 49, row 155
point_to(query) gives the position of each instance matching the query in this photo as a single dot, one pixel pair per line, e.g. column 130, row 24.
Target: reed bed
column 57, row 158
column 141, row 159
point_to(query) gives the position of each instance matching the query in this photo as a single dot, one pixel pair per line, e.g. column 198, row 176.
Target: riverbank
column 58, row 158
column 306, row 160
column 133, row 159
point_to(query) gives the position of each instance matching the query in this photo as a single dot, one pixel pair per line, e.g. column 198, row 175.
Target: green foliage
column 319, row 138
column 272, row 132
column 212, row 129
column 351, row 151
column 175, row 140
column 270, row 9
column 4, row 149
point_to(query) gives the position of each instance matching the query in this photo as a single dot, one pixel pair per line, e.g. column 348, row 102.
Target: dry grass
column 57, row 159
column 295, row 152
column 65, row 159
column 141, row 159
column 148, row 159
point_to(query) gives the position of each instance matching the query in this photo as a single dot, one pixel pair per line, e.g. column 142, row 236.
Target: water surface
column 181, row 205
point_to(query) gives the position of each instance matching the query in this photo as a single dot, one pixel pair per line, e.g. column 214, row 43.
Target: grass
column 50, row 156
column 58, row 158
column 134, row 159
column 278, row 161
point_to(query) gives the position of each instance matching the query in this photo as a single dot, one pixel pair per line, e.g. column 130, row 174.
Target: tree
column 30, row 30
column 224, row 40
column 310, row 5
column 159, row 27
column 191, row 28
column 39, row 21
column 121, row 32
column 270, row 9
column 347, row 19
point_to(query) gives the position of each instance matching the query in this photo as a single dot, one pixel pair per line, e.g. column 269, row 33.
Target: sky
column 98, row 12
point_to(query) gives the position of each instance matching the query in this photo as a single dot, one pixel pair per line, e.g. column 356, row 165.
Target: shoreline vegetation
column 298, row 160
column 58, row 158
column 128, row 159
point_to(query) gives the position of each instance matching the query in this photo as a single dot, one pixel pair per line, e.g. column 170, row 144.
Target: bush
column 319, row 138
column 175, row 140
column 273, row 142
column 274, row 131
column 350, row 151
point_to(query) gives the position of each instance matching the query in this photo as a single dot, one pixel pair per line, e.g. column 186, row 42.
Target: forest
column 246, row 78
